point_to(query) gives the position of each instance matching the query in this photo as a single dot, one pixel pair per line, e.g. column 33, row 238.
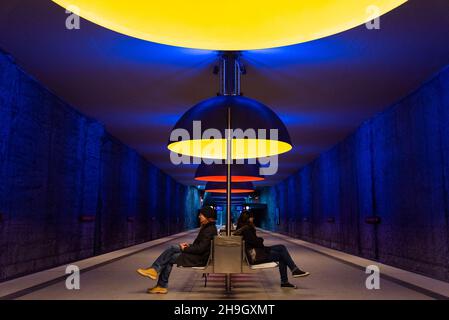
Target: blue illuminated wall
column 68, row 189
column 394, row 167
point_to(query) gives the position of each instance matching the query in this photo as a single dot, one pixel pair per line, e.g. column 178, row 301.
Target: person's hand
column 183, row 245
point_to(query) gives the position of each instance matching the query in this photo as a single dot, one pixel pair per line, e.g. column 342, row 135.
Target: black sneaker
column 298, row 273
column 288, row 285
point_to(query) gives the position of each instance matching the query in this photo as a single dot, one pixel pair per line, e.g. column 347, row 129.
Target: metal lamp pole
column 229, row 85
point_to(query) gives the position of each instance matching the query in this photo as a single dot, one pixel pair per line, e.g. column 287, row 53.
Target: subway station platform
column 334, row 275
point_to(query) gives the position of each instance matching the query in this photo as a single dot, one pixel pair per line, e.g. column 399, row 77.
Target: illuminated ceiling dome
column 231, row 24
column 247, row 114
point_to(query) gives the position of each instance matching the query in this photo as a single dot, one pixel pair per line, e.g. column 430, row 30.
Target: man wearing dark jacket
column 184, row 254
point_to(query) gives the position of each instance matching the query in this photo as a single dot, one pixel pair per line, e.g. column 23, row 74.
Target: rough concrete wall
column 58, row 168
column 394, row 167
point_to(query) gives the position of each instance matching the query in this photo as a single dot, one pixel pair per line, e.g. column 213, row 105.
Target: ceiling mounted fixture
column 217, row 173
column 253, row 129
column 235, row 197
column 213, row 114
column 217, row 187
column 230, row 25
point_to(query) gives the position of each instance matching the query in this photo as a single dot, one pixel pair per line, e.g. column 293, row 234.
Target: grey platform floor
column 330, row 279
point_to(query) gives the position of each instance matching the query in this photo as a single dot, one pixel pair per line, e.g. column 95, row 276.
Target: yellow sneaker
column 157, row 289
column 150, row 273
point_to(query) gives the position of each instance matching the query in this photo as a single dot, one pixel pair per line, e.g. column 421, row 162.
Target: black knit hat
column 209, row 212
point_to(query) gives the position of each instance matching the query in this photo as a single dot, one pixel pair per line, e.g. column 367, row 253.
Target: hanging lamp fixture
column 257, row 131
column 217, row 173
column 236, row 188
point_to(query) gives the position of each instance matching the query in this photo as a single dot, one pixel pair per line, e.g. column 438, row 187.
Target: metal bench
column 205, row 268
column 228, row 256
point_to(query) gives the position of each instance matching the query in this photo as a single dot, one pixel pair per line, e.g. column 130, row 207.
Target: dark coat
column 253, row 242
column 197, row 254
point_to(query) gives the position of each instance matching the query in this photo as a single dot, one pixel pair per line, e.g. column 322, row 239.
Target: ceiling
column 323, row 89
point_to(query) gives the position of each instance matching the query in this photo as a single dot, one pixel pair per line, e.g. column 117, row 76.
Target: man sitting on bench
column 184, row 254
column 257, row 253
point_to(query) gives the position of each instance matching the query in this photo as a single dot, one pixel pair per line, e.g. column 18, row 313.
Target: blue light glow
column 318, row 51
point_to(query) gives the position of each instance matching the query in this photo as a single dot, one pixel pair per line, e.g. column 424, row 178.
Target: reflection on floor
column 330, row 279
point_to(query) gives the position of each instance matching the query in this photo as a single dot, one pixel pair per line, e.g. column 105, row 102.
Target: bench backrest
column 227, row 254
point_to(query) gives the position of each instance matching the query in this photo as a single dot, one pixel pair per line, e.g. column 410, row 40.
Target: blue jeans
column 279, row 253
column 164, row 263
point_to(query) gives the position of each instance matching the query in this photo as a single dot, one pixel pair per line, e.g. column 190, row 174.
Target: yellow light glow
column 230, row 24
column 241, row 148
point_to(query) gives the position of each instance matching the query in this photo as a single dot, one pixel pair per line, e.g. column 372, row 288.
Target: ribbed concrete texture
column 70, row 190
column 329, row 279
column 395, row 167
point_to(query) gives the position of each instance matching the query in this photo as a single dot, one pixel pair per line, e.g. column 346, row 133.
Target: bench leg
column 205, row 275
column 228, row 283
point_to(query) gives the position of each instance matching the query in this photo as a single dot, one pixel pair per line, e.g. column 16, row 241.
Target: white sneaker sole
column 302, row 275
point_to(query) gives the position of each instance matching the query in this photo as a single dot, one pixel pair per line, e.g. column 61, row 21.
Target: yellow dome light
column 248, row 116
column 230, row 24
column 241, row 148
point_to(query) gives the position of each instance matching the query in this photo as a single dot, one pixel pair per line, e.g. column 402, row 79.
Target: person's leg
column 281, row 252
column 276, row 255
column 164, row 259
column 284, row 255
column 165, row 272
column 160, row 263
column 283, row 271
